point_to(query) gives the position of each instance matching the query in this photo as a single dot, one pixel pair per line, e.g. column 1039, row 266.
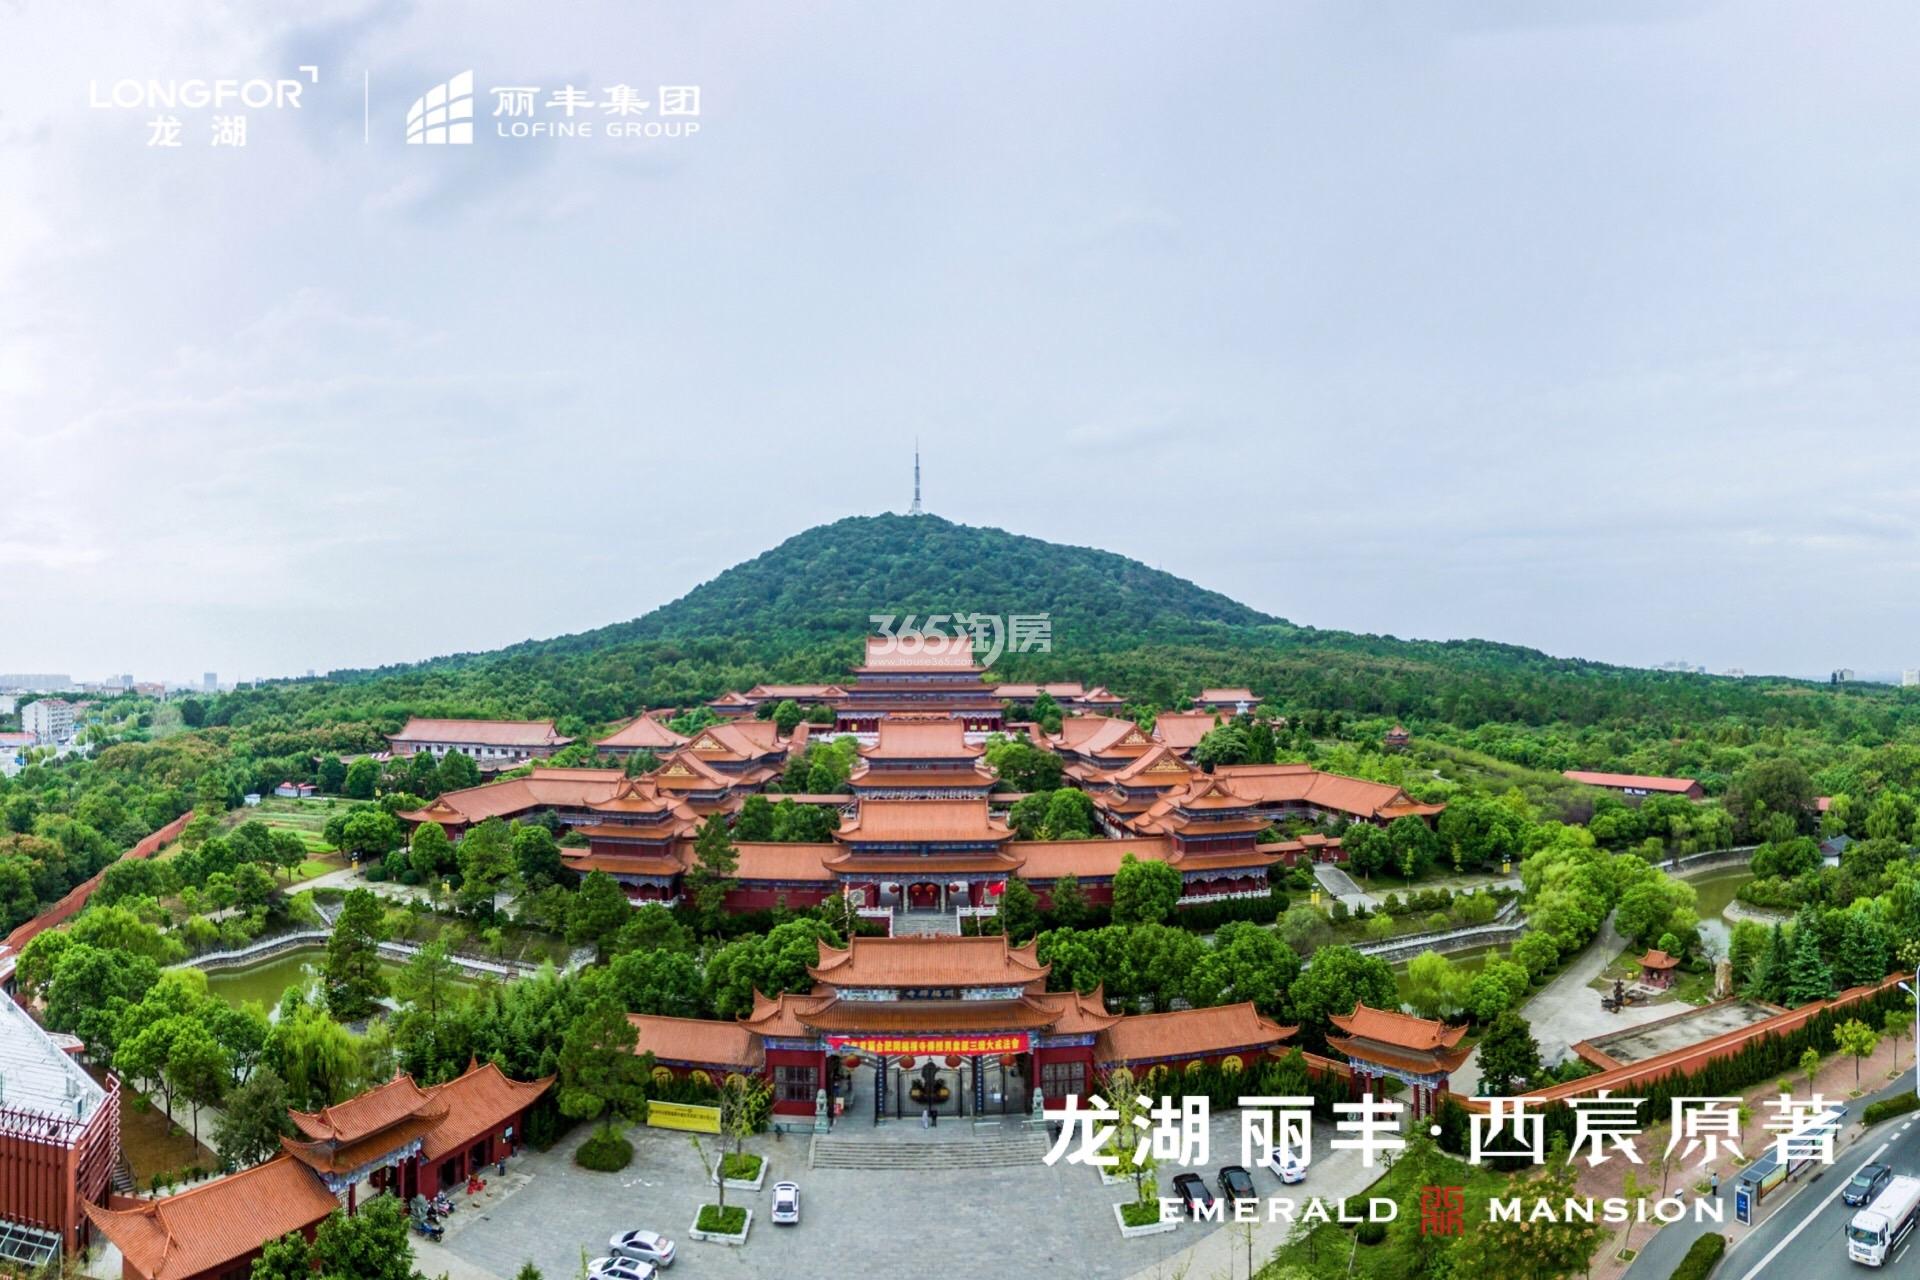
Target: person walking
column 1713, row 1183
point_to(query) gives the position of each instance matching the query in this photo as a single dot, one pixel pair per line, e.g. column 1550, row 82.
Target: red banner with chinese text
column 932, row 1046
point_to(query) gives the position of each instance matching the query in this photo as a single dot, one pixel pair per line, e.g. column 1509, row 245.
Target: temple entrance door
column 925, row 896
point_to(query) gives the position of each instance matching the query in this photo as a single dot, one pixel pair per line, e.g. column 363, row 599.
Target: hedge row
column 1887, row 1108
column 1700, row 1259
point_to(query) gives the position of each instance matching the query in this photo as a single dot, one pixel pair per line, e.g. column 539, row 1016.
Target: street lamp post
column 1913, row 991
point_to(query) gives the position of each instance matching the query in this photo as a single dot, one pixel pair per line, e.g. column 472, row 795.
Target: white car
column 1288, row 1166
column 647, row 1246
column 620, row 1269
column 786, row 1204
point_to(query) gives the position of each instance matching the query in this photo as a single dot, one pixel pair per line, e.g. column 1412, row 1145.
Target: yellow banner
column 689, row 1116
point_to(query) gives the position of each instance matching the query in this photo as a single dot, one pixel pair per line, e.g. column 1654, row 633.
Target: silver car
column 620, row 1269
column 647, row 1246
column 786, row 1204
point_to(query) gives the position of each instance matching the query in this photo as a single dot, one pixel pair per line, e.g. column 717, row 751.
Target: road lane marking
column 1807, row 1220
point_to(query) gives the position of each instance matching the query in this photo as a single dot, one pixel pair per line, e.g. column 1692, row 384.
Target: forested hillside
column 798, row 612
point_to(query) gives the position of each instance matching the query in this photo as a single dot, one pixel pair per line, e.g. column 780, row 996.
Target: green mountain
column 798, row 612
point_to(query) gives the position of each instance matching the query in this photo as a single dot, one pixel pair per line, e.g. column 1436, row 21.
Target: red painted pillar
column 352, row 1187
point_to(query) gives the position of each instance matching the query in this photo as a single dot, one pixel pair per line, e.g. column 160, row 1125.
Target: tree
column 1436, row 988
column 1413, row 846
column 1896, row 1023
column 1648, row 909
column 601, row 1078
column 371, row 1245
column 253, row 1120
column 599, row 909
column 1808, row 978
column 1810, row 1066
column 1019, row 911
column 1068, row 902
column 755, row 821
column 317, row 1057
column 352, row 975
column 1069, row 815
column 1227, row 744
column 787, row 716
column 1144, row 892
column 197, row 1068
column 429, row 981
column 332, row 775
column 711, row 876
column 1857, row 1040
column 1500, row 985
column 1509, row 1058
column 285, row 1258
column 363, row 775
column 1246, row 962
column 487, row 867
column 431, row 854
column 1776, row 785
column 538, row 856
column 1337, row 979
column 456, row 772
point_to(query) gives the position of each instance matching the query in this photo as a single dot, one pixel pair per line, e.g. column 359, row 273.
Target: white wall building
column 50, row 720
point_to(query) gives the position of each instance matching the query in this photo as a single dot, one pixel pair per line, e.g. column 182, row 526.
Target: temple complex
column 965, row 1026
column 921, row 826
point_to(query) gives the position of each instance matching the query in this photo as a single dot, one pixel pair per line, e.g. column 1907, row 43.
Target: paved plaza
column 1027, row 1221
column 1687, row 1026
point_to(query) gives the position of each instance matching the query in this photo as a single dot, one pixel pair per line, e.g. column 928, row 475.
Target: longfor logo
column 444, row 114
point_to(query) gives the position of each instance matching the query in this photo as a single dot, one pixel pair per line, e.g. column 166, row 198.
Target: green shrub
column 1140, row 1213
column 1894, row 1106
column 604, row 1153
column 1372, row 1232
column 740, row 1166
column 730, row 1221
column 1701, row 1258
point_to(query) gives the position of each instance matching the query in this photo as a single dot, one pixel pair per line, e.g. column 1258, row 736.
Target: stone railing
column 1708, row 860
column 1409, row 945
column 267, row 947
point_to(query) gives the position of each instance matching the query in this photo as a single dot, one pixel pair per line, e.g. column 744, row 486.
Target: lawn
column 305, row 818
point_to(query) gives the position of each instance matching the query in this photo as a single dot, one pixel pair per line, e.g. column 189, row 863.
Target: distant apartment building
column 1909, row 678
column 210, row 682
column 9, row 703
column 1841, row 675
column 50, row 720
column 31, row 682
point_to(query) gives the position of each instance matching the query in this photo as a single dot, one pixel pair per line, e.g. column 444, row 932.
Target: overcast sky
column 1590, row 327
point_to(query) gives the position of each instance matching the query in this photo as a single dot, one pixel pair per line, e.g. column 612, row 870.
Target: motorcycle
column 431, row 1231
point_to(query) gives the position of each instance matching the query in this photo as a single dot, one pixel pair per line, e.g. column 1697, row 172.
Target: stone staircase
column 962, row 1151
column 122, row 1180
column 925, row 924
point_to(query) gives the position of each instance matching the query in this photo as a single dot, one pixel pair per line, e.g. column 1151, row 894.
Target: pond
column 1716, row 890
column 1469, row 962
column 266, row 981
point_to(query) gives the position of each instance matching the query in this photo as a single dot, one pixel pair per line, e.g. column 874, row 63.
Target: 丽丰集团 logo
column 444, row 114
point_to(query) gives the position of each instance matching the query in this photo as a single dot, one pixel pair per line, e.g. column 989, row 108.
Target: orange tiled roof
column 1161, row 766
column 698, row 1040
column 1403, row 1029
column 1637, row 781
column 1083, row 859
column 942, row 739
column 1182, row 730
column 928, row 962
column 485, row 733
column 780, row 1016
column 1188, row 1033
column 925, row 820
column 216, row 1224
column 638, row 863
column 478, row 1101
column 643, row 733
column 778, row 861
column 1240, row 694
column 1415, row 1060
column 1028, row 692
column 883, row 654
column 1657, row 959
column 368, row 1113
column 542, row 789
column 1303, row 784
column 686, row 771
column 959, row 777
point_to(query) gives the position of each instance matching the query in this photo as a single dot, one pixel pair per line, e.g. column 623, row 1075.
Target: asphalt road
column 1803, row 1237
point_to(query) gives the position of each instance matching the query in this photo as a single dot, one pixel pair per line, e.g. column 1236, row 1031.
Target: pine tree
column 1770, row 975
column 714, row 863
column 1808, row 977
column 1863, row 951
